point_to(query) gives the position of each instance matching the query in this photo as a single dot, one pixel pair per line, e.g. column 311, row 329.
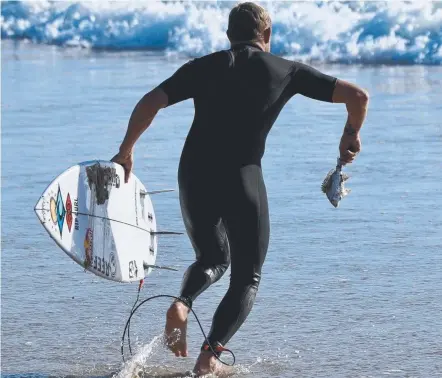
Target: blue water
column 348, row 292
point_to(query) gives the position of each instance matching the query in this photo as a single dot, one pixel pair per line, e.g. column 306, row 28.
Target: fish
column 333, row 185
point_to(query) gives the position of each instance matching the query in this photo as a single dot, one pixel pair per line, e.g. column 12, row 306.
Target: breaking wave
column 342, row 32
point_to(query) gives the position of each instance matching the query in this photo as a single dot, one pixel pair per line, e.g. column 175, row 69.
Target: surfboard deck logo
column 88, row 246
column 60, row 211
column 69, row 212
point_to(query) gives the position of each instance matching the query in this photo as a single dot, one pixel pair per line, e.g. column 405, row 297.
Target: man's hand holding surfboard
column 126, row 160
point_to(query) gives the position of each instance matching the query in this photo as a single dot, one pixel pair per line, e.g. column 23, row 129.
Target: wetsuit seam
column 289, row 73
column 259, row 211
column 232, row 58
column 293, row 72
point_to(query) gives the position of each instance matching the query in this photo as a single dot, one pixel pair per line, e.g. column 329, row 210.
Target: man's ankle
column 184, row 301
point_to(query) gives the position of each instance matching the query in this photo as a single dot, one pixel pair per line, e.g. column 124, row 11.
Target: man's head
column 248, row 22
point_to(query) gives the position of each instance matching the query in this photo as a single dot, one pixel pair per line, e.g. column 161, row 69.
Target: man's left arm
column 314, row 84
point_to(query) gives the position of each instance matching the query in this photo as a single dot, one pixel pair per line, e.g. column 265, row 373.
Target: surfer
column 238, row 94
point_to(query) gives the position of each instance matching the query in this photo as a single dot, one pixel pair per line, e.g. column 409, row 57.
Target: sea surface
column 349, row 292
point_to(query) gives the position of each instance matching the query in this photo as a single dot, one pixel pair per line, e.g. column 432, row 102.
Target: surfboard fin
column 147, row 266
column 166, row 233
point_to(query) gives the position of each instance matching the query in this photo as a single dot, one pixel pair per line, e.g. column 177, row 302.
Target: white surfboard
column 104, row 224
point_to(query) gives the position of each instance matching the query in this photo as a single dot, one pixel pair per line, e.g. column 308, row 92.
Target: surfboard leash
column 137, row 305
column 128, row 325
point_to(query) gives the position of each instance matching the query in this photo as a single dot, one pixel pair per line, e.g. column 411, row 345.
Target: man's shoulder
column 277, row 59
column 269, row 58
column 217, row 59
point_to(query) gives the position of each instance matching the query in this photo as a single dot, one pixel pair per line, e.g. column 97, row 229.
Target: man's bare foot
column 208, row 364
column 176, row 329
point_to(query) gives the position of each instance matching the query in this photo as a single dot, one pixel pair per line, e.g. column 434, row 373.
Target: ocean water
column 348, row 292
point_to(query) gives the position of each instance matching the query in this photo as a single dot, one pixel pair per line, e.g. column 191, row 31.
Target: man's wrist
column 350, row 130
column 125, row 151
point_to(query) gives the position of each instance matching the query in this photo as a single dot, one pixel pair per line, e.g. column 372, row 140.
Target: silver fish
column 333, row 185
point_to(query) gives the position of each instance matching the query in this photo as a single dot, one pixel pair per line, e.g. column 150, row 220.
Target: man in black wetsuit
column 238, row 94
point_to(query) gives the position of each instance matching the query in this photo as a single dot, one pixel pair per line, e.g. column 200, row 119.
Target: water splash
column 344, row 32
column 136, row 364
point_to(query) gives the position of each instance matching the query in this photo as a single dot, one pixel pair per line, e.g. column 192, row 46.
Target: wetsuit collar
column 249, row 43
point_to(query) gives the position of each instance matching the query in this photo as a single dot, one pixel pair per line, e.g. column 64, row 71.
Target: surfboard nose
column 38, row 208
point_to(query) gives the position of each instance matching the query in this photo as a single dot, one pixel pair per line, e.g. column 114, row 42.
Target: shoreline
column 21, row 45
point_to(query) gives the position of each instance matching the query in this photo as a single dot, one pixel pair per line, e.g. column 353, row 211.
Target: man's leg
column 247, row 224
column 207, row 234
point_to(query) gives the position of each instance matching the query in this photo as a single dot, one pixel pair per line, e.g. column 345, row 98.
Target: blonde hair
column 247, row 22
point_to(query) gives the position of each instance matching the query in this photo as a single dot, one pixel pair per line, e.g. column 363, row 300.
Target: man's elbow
column 350, row 94
column 362, row 97
column 357, row 99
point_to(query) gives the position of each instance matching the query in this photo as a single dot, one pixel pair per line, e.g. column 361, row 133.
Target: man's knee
column 245, row 279
column 214, row 270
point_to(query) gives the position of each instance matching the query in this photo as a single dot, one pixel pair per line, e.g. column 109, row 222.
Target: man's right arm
column 179, row 87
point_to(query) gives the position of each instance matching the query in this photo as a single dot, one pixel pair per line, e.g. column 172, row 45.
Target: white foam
column 366, row 32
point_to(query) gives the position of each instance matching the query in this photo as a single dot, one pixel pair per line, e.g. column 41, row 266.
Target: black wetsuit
column 238, row 94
